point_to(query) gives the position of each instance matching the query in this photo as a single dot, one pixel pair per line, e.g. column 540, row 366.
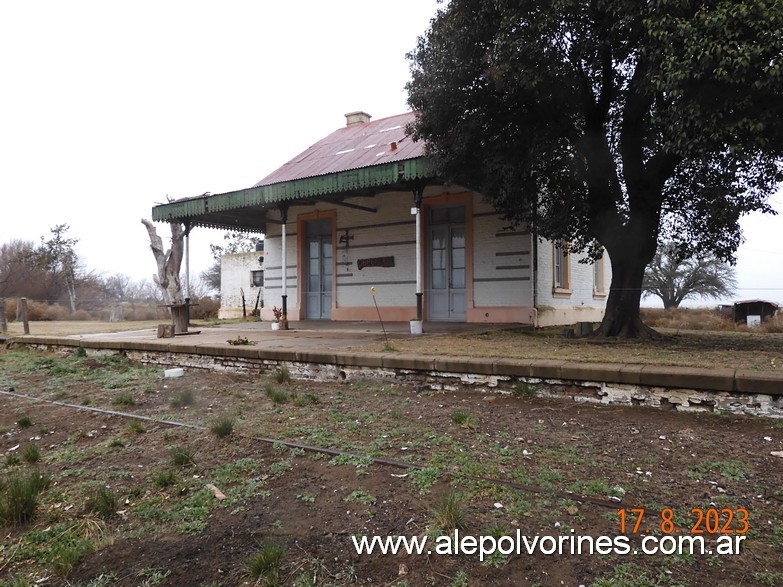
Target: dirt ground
column 493, row 464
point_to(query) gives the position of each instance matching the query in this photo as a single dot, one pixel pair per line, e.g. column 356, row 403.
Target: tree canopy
column 58, row 256
column 674, row 279
column 234, row 242
column 613, row 123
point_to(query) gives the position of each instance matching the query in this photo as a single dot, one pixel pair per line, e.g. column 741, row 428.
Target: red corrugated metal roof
column 359, row 145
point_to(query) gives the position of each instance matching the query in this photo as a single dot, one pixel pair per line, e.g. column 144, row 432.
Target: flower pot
column 275, row 325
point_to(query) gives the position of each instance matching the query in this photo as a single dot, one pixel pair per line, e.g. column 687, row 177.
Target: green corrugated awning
column 220, row 210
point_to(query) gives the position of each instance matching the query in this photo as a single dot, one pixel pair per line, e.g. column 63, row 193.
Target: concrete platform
column 332, row 344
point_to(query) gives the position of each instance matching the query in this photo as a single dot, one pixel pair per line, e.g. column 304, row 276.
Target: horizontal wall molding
column 501, row 279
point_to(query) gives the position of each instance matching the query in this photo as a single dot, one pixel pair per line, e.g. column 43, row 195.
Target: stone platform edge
column 719, row 379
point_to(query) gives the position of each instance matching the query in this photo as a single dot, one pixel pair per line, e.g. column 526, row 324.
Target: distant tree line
column 52, row 275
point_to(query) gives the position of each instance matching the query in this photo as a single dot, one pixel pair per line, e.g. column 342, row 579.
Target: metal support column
column 187, row 272
column 284, row 219
column 417, row 196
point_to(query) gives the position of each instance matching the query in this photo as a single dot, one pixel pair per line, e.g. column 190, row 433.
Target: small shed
column 758, row 310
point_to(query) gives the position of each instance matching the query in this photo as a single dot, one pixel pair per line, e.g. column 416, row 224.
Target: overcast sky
column 110, row 107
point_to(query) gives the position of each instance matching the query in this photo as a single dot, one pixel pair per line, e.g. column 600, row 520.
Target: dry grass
column 687, row 319
column 693, row 338
column 67, row 327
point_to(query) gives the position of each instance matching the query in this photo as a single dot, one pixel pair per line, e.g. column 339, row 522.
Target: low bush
column 19, row 497
column 165, row 478
column 182, row 399
column 181, row 456
column 771, row 326
column 31, row 453
column 277, row 396
column 265, row 566
column 102, row 502
column 282, row 374
column 123, row 399
column 222, row 428
column 450, row 514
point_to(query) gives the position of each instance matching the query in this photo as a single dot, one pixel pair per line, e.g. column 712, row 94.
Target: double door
column 319, row 269
column 447, row 264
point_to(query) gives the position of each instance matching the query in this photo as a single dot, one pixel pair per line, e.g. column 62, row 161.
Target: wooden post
column 179, row 317
column 23, row 307
column 3, row 321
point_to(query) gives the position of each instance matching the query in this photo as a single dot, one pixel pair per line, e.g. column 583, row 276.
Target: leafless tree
column 169, row 261
column 674, row 279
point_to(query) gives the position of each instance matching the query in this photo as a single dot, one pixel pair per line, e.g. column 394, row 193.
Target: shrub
column 31, row 453
column 449, row 514
column 266, row 564
column 182, row 399
column 771, row 326
column 278, row 396
column 102, row 502
column 282, row 374
column 12, row 459
column 207, row 308
column 24, row 422
column 136, row 427
column 181, row 456
column 165, row 478
column 464, row 419
column 306, row 399
column 81, row 315
column 41, row 311
column 523, row 389
column 123, row 399
column 222, row 428
column 19, row 497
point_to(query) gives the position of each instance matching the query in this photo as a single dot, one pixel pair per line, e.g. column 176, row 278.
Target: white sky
column 106, row 108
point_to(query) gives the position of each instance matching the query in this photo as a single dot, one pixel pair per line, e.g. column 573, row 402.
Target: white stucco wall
column 502, row 264
column 235, row 276
column 581, row 302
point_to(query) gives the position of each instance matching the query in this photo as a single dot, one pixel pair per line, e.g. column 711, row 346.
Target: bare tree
column 20, row 272
column 118, row 287
column 58, row 256
column 169, row 261
column 674, row 279
column 210, row 277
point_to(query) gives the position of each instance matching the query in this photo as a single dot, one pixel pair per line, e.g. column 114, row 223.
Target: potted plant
column 278, row 314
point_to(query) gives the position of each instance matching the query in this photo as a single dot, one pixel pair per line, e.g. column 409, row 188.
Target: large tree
column 58, row 256
column 609, row 122
column 674, row 279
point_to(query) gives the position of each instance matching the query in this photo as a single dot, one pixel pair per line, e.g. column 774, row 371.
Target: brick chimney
column 357, row 117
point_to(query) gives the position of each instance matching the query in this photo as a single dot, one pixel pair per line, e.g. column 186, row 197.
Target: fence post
column 3, row 320
column 23, row 307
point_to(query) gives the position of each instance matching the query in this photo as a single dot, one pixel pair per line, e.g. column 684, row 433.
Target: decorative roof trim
column 373, row 177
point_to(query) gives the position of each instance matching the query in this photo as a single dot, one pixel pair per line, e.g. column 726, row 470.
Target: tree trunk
column 169, row 262
column 70, row 285
column 621, row 318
